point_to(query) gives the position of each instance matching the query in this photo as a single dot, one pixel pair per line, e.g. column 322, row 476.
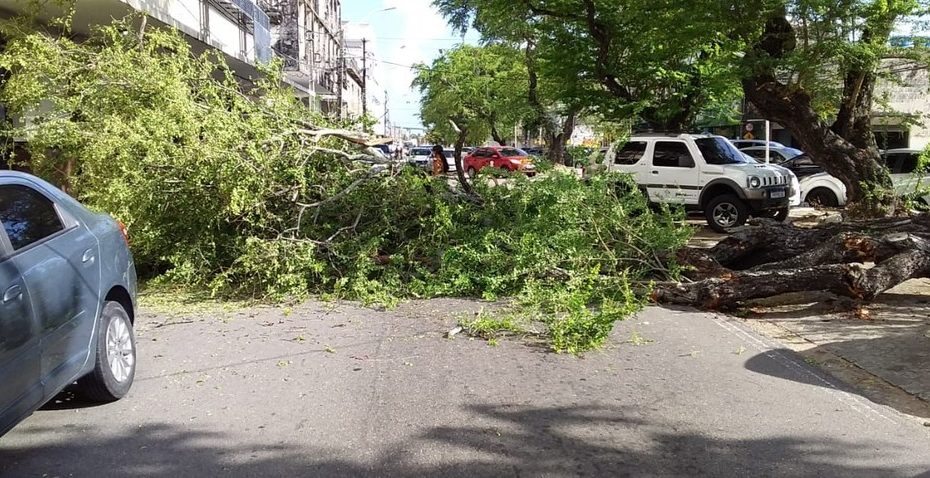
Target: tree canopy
column 482, row 88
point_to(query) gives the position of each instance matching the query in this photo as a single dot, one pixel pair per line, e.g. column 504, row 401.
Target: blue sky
column 411, row 31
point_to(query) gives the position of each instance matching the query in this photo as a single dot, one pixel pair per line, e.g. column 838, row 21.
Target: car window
column 903, row 163
column 512, row 152
column 720, row 151
column 631, row 153
column 803, row 160
column 755, row 153
column 448, row 153
column 672, row 155
column 27, row 215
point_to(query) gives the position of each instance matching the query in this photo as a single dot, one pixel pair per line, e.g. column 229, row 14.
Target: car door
column 21, row 389
column 903, row 167
column 58, row 259
column 673, row 175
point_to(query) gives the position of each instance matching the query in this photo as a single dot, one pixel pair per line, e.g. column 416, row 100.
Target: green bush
column 227, row 190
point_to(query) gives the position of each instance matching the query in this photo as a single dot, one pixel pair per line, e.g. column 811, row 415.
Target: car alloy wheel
column 121, row 356
column 726, row 215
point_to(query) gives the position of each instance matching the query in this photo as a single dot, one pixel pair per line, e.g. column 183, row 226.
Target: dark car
column 68, row 288
column 777, row 155
column 802, row 166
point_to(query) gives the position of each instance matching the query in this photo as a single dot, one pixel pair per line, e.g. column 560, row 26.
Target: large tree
column 480, row 88
column 810, row 65
column 663, row 61
column 814, row 68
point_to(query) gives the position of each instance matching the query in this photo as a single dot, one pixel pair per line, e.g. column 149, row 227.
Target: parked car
column 907, row 180
column 68, row 288
column 705, row 173
column 748, row 143
column 539, row 152
column 822, row 189
column 802, row 166
column 420, row 157
column 505, row 158
column 776, row 155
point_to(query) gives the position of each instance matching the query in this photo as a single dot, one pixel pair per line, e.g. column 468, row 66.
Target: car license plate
column 777, row 194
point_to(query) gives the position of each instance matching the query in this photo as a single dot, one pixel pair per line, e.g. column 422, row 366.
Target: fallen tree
column 855, row 259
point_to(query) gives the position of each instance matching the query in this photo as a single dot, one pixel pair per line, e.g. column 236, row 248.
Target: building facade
column 307, row 35
column 239, row 29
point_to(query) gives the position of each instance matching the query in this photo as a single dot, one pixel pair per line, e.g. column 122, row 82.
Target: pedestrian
column 440, row 166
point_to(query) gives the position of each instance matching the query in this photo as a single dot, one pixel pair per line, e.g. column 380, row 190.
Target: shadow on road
column 504, row 441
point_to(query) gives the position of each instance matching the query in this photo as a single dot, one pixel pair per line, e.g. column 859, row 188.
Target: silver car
column 67, row 299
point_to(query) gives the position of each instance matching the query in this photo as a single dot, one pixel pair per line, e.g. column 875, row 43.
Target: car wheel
column 822, row 197
column 726, row 212
column 472, row 172
column 115, row 363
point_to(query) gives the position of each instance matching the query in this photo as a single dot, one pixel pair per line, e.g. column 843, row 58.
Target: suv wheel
column 115, row 363
column 725, row 212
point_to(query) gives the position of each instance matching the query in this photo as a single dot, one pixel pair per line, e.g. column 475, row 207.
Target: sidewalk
column 882, row 349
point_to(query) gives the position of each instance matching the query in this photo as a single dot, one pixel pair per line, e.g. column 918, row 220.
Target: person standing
column 440, row 166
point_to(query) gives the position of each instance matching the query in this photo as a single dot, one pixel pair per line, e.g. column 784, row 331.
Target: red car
column 502, row 157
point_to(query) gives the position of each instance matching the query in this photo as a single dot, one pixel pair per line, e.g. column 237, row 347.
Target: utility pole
column 341, row 73
column 364, row 77
column 387, row 114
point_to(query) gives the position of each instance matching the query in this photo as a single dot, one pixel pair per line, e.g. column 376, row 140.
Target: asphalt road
column 353, row 392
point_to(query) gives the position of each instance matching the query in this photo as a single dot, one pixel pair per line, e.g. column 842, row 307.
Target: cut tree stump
column 858, row 259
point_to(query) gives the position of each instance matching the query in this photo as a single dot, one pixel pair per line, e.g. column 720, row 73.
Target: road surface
column 344, row 391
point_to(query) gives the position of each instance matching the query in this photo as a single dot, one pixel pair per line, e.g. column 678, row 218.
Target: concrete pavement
column 345, row 391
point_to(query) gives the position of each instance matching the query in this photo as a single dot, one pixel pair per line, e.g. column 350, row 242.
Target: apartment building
column 237, row 28
column 307, row 35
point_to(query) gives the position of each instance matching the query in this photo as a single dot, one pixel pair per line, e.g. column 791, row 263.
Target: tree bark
column 828, row 258
column 496, row 136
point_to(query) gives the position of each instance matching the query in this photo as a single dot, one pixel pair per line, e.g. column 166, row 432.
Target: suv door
column 58, row 260
column 673, row 176
column 21, row 389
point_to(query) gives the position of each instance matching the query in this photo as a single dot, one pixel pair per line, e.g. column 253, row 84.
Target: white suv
column 706, row 173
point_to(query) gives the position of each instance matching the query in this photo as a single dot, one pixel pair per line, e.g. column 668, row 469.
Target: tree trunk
column 496, row 136
column 457, row 155
column 845, row 149
column 828, row 258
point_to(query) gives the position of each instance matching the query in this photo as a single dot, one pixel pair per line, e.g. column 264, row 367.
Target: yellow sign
column 748, row 135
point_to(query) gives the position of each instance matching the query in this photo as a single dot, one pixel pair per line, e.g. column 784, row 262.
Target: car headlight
column 754, row 182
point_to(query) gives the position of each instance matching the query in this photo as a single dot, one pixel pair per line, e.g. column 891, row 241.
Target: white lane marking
column 830, row 387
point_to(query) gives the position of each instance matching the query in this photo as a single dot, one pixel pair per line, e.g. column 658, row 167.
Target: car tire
column 822, row 197
column 115, row 357
column 726, row 212
column 472, row 172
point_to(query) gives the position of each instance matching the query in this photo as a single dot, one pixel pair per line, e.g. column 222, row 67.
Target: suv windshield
column 720, row 151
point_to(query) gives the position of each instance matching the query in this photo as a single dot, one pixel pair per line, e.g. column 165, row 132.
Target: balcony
column 238, row 28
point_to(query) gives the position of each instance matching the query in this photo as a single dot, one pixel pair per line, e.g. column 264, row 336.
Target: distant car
column 535, row 151
column 420, row 157
column 68, row 288
column 505, row 158
column 823, row 190
column 748, row 143
column 776, row 155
